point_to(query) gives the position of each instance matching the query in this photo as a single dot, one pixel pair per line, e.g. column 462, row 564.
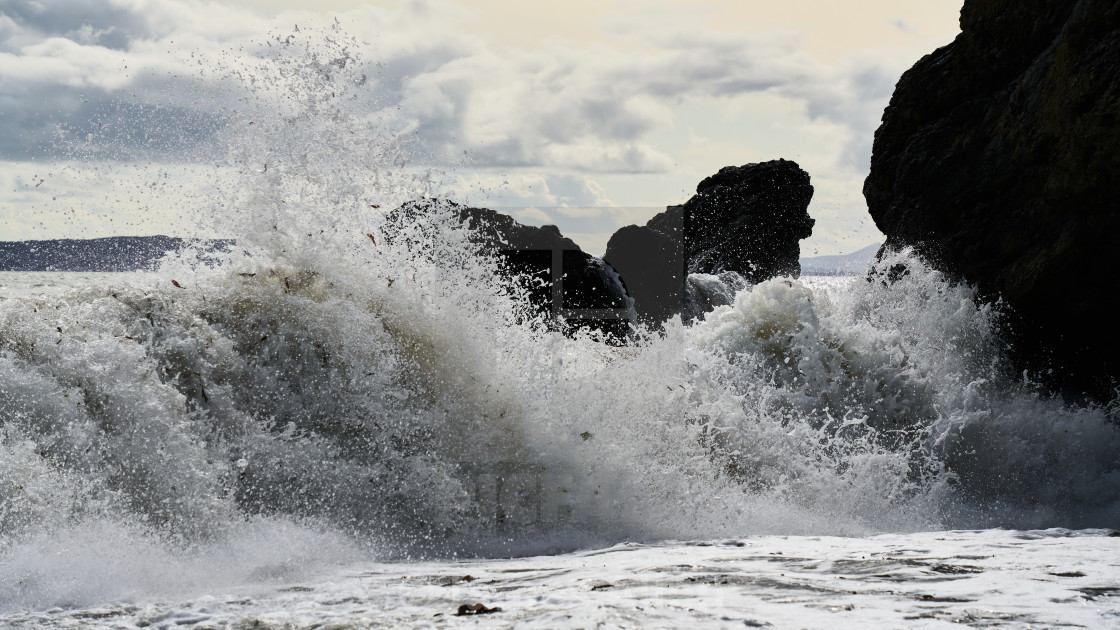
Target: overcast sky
column 587, row 114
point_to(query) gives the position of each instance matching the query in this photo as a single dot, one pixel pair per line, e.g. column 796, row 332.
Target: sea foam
column 338, row 392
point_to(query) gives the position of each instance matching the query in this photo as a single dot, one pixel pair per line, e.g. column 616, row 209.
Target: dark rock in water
column 117, row 253
column 652, row 266
column 582, row 290
column 744, row 219
column 703, row 292
column 593, row 296
column 477, row 609
column 998, row 160
column 590, row 283
column 747, row 219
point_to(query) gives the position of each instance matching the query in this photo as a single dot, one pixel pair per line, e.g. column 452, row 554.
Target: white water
column 994, row 578
column 318, row 398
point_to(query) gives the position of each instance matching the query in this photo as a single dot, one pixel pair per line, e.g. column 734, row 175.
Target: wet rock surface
column 651, row 264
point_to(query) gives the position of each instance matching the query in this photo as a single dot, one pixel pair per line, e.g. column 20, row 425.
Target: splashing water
column 341, row 391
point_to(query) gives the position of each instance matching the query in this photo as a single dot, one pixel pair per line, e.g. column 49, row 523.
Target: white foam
column 342, row 382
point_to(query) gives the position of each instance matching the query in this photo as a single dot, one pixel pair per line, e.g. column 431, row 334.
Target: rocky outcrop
column 582, row 290
column 501, row 231
column 744, row 219
column 998, row 160
column 744, row 222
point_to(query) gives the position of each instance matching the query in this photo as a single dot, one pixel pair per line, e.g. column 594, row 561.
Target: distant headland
column 112, row 254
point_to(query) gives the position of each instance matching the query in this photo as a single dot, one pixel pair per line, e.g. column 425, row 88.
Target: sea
column 347, row 421
column 252, row 444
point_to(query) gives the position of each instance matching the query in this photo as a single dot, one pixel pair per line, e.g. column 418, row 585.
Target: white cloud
column 532, row 216
column 157, row 80
column 585, row 107
column 578, row 191
column 525, row 189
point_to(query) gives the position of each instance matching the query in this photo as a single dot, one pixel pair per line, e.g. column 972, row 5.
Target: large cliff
column 998, row 161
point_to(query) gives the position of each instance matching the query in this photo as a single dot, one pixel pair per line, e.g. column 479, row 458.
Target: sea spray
column 343, row 392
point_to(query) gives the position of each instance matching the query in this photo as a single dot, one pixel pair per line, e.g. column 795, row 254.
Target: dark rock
column 670, row 224
column 477, row 609
column 652, row 266
column 703, row 292
column 747, row 219
column 582, row 290
column 501, row 231
column 998, row 161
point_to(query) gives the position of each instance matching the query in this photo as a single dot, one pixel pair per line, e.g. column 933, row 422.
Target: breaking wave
column 337, row 392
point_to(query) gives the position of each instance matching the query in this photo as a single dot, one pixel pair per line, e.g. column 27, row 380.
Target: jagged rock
column 501, row 231
column 747, row 219
column 703, row 292
column 591, row 293
column 998, row 161
column 744, row 219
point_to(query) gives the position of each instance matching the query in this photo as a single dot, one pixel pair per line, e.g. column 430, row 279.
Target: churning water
column 330, row 392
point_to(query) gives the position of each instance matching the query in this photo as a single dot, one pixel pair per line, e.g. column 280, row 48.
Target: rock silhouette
column 590, row 293
column 997, row 161
column 745, row 220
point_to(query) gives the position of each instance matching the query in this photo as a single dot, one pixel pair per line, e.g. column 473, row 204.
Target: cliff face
column 998, row 160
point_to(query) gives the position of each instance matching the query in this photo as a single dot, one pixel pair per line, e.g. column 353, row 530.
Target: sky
column 587, row 114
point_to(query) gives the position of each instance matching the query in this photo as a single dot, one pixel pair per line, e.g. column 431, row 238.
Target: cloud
column 558, row 124
column 577, row 191
column 104, row 77
column 904, row 26
column 111, row 25
column 589, row 108
column 532, row 216
column 525, row 189
column 851, row 95
column 546, row 110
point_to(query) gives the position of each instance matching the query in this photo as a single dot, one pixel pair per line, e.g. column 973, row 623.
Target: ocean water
column 346, row 422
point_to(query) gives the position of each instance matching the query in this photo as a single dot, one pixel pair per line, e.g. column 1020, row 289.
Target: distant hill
column 852, row 264
column 134, row 253
column 117, row 253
